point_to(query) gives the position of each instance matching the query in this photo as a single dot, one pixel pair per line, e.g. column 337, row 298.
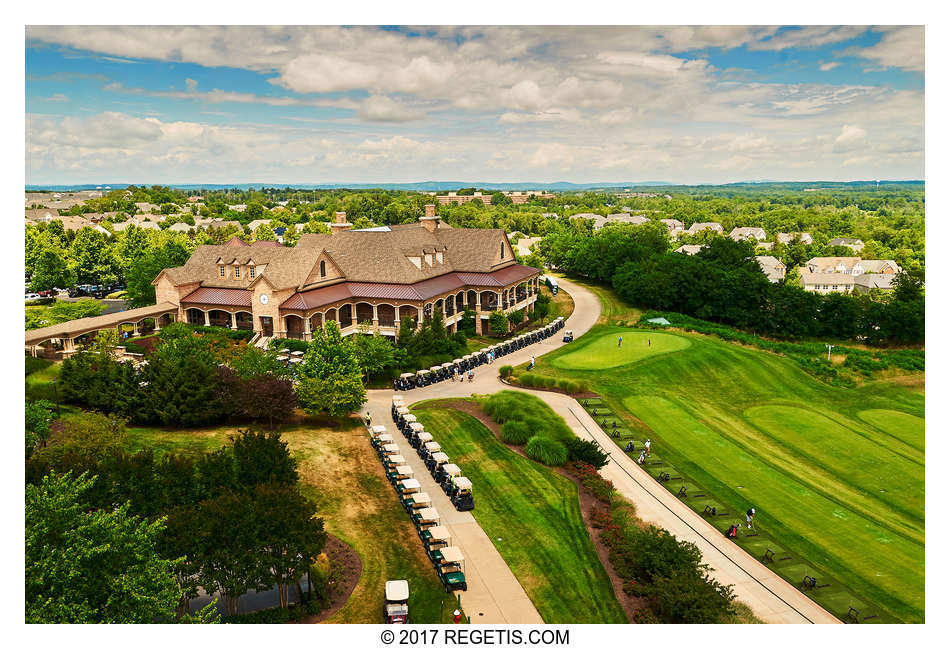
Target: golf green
column 603, row 352
column 835, row 474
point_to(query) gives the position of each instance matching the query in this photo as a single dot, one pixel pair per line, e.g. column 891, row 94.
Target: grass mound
column 546, row 451
column 540, row 420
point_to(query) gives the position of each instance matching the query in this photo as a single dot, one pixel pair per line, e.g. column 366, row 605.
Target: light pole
column 829, row 351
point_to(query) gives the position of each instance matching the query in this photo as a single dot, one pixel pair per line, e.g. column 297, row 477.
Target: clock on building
column 263, row 298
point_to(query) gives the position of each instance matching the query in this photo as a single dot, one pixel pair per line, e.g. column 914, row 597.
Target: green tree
column 38, row 420
column 92, row 258
column 181, row 386
column 260, row 458
column 330, row 374
column 264, row 232
column 376, row 354
column 98, row 566
column 498, row 198
column 51, row 271
column 499, row 323
column 167, row 250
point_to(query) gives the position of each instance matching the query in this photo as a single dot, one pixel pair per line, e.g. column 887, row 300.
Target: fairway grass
column 341, row 474
column 532, row 515
column 604, row 352
column 836, row 474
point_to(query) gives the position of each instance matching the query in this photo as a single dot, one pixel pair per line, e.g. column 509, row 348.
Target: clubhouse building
column 361, row 279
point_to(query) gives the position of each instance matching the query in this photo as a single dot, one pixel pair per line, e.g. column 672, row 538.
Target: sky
column 495, row 104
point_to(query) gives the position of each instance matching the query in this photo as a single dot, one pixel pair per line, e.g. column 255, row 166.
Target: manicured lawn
column 836, row 475
column 342, row 475
column 535, row 513
column 604, row 352
column 39, row 384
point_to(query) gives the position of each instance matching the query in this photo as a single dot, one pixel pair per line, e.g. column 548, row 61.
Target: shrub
column 528, row 379
column 584, row 451
column 35, row 364
column 546, row 451
column 515, row 432
column 505, row 371
column 597, row 485
column 289, row 343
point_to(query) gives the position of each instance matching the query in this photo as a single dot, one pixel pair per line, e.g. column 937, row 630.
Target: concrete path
column 769, row 596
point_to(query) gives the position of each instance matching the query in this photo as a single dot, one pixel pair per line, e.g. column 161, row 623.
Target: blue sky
column 331, row 104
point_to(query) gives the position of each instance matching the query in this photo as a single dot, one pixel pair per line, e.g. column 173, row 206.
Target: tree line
column 723, row 283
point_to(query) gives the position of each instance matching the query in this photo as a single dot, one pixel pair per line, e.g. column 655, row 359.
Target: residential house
column 851, row 265
column 240, row 207
column 690, row 249
column 181, row 227
column 864, row 283
column 699, row 227
column 256, row 223
column 790, row 237
column 748, row 234
column 525, row 245
column 772, row 267
column 372, row 278
column 675, row 226
column 855, row 244
column 840, row 274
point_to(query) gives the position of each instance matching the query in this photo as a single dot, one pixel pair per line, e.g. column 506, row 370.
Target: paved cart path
column 769, row 596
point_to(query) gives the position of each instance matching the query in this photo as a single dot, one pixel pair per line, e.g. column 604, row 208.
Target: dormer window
column 323, row 268
column 250, row 272
column 438, row 257
column 237, row 272
column 221, row 271
column 428, row 259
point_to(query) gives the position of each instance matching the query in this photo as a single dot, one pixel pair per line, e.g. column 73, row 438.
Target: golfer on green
column 619, row 341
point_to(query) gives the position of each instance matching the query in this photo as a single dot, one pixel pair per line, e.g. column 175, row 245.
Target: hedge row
column 570, row 386
column 289, row 343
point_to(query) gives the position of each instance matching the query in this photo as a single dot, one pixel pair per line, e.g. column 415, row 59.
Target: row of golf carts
column 446, row 558
column 459, row 366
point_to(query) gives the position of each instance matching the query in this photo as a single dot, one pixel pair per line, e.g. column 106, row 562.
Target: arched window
column 323, row 268
column 502, row 249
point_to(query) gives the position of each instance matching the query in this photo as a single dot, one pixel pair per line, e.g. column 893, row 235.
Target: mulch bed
column 340, row 554
column 629, row 603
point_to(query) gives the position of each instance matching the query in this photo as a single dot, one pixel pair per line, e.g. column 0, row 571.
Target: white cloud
column 900, row 47
column 807, row 37
column 326, row 73
column 380, row 108
column 851, row 138
column 827, row 67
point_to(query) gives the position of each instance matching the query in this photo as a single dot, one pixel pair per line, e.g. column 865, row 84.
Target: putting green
column 907, row 428
column 603, row 352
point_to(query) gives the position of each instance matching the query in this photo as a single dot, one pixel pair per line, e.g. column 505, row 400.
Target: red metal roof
column 413, row 292
column 221, row 296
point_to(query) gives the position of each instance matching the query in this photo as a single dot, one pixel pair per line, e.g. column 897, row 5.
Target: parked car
column 32, row 296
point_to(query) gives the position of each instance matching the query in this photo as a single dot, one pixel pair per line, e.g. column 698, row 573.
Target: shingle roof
column 75, row 328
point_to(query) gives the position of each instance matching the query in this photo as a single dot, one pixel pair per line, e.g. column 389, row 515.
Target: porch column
column 396, row 316
column 375, row 320
column 306, row 328
column 233, row 320
column 421, row 317
column 135, row 328
column 207, row 319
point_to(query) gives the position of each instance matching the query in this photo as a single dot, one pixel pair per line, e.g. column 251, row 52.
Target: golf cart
column 401, row 411
column 414, row 429
column 400, row 472
column 451, row 568
column 435, row 461
column 419, row 439
column 392, row 461
column 396, row 610
column 405, row 420
column 461, row 494
column 388, row 449
column 423, row 378
column 405, row 381
column 426, row 450
column 468, row 362
column 568, row 336
column 436, row 538
column 425, row 518
column 397, row 403
column 407, row 487
column 414, row 501
column 444, row 474
column 381, row 440
column 448, row 369
column 435, row 374
column 376, row 431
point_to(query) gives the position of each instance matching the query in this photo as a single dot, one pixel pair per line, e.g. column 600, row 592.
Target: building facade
column 364, row 280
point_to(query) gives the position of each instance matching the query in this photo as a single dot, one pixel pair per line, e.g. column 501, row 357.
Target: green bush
column 580, row 450
column 288, row 343
column 546, row 451
column 515, row 432
column 505, row 371
column 508, row 405
column 528, row 379
column 35, row 364
column 232, row 334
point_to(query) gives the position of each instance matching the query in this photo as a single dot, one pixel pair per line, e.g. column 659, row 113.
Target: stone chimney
column 430, row 221
column 340, row 224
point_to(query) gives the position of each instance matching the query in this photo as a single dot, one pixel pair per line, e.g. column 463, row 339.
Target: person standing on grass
column 646, row 446
column 749, row 515
column 642, row 457
column 619, row 341
column 649, row 343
